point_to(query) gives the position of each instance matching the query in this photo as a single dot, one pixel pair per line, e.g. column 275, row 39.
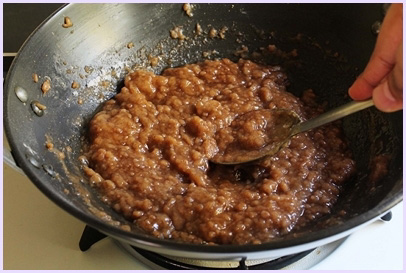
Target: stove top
column 48, row 237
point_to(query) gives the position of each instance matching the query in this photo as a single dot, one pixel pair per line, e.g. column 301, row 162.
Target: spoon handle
column 332, row 115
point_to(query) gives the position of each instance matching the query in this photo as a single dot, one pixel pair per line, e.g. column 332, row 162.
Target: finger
column 384, row 56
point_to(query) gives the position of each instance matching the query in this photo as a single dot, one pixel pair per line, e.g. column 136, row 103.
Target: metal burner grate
column 158, row 261
column 302, row 260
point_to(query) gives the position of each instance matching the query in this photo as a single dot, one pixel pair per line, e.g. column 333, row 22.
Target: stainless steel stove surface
column 38, row 235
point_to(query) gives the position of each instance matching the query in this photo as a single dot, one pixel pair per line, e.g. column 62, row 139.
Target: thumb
column 384, row 99
column 388, row 95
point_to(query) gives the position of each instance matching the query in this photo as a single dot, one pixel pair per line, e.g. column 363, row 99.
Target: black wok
column 333, row 45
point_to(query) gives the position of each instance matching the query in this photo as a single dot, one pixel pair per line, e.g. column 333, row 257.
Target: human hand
column 382, row 78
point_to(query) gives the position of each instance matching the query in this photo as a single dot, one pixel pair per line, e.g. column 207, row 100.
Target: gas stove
column 49, row 238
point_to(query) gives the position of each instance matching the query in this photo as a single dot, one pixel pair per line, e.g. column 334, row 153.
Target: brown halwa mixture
column 150, row 149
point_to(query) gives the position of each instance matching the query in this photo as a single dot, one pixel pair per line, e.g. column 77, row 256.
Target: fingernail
column 384, row 100
column 387, row 93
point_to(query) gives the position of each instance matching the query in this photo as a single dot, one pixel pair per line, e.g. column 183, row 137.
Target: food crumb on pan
column 198, row 29
column 105, row 84
column 188, row 8
column 60, row 155
column 256, row 55
column 125, row 227
column 35, row 77
column 40, row 106
column 222, row 32
column 242, row 52
column 209, row 53
column 212, row 32
column 177, row 33
column 130, row 45
column 127, row 69
column 342, row 213
column 299, row 38
column 80, row 101
column 153, row 60
column 88, row 69
column 37, row 108
column 75, row 85
column 293, row 53
column 379, row 167
column 278, row 52
column 67, row 22
column 49, row 145
column 46, row 86
column 272, row 48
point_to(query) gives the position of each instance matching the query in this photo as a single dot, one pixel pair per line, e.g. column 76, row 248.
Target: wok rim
column 143, row 239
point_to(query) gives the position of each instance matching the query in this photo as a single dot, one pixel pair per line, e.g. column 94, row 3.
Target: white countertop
column 37, row 234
